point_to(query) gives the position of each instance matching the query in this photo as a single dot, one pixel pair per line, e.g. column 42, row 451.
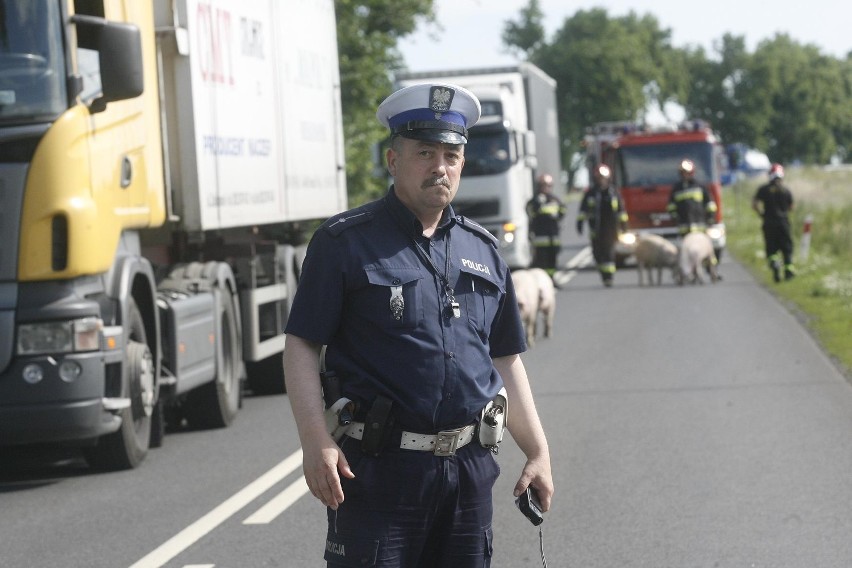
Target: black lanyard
column 454, row 307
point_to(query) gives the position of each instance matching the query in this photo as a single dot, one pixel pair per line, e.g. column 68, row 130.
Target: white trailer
column 516, row 139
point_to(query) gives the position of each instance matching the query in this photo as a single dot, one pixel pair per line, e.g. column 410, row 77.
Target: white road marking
column 220, row 514
column 279, row 504
column 564, row 275
column 580, row 259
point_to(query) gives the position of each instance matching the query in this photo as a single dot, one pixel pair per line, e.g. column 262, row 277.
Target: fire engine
column 645, row 162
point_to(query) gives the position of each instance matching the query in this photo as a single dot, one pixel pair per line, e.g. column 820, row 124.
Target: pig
column 653, row 251
column 526, row 292
column 696, row 252
column 536, row 295
column 546, row 299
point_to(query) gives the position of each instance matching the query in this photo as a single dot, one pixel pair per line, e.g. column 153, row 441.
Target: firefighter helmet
column 687, row 167
column 544, row 180
column 776, row 171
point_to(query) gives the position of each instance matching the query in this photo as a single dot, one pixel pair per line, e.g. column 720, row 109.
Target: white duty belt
column 444, row 443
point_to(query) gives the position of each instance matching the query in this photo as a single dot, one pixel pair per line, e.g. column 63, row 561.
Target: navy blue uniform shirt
column 436, row 368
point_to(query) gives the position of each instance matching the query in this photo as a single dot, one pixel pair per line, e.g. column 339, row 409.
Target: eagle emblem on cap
column 441, row 99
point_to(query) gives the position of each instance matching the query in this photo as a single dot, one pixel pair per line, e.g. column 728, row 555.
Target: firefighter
column 546, row 212
column 690, row 204
column 603, row 210
column 773, row 202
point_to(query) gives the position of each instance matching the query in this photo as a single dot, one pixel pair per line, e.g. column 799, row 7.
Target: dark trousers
column 603, row 250
column 412, row 509
column 778, row 240
column 545, row 257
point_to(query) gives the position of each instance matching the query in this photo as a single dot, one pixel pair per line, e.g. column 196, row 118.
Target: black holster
column 377, row 426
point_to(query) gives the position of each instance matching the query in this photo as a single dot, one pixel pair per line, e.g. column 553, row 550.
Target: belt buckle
column 447, row 442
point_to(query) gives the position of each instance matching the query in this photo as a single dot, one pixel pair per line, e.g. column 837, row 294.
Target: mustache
column 438, row 180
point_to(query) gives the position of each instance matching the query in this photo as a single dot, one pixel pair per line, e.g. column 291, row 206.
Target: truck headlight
column 59, row 337
column 627, row 238
column 509, row 232
column 716, row 232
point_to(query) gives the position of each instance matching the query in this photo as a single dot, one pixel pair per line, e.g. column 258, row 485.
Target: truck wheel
column 215, row 404
column 126, row 448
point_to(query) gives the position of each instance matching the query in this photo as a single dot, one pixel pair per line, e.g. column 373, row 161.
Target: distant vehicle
column 743, row 161
column 516, row 139
column 645, row 166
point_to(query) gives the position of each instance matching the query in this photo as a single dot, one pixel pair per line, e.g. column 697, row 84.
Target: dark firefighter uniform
column 691, row 206
column 603, row 209
column 546, row 212
column 776, row 201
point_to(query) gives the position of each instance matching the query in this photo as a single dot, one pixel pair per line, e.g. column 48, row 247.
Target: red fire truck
column 645, row 162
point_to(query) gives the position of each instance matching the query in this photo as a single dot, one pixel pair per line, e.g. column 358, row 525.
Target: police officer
column 773, row 202
column 545, row 211
column 419, row 317
column 690, row 204
column 603, row 209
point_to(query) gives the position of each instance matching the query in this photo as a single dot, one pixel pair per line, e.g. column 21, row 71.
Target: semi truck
column 160, row 165
column 516, row 139
column 645, row 163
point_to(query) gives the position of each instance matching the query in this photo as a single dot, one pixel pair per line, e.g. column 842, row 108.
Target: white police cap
column 437, row 112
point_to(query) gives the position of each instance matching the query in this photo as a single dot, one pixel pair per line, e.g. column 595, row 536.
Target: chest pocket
column 481, row 295
column 394, row 297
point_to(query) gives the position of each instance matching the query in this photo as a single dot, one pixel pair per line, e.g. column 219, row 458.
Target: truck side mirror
column 119, row 48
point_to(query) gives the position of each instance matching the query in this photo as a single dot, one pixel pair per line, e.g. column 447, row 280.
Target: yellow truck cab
column 158, row 161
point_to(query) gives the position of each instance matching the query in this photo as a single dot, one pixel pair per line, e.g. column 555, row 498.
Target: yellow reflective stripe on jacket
column 549, row 209
column 690, row 195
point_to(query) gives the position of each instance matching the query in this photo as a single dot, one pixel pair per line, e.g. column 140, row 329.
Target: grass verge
column 821, row 293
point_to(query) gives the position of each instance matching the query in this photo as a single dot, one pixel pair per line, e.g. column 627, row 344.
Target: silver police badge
column 440, row 100
column 397, row 303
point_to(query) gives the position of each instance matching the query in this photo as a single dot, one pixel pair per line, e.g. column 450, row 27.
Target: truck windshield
column 487, row 152
column 657, row 164
column 32, row 76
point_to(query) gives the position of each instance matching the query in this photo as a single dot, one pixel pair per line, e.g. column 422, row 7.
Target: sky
column 472, row 29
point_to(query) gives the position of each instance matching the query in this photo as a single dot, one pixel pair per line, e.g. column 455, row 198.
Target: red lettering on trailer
column 214, row 44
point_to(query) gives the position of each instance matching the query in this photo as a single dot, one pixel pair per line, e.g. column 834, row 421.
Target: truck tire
column 127, row 447
column 215, row 405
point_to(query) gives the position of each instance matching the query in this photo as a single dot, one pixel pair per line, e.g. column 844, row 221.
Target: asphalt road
column 696, row 426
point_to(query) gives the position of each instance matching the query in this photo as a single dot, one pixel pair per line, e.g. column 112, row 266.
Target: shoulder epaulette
column 475, row 227
column 348, row 219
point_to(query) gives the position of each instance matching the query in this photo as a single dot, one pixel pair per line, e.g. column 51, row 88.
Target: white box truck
column 516, row 139
column 159, row 161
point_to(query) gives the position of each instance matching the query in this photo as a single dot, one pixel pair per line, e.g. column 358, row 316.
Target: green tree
column 526, row 34
column 606, row 67
column 803, row 97
column 716, row 87
column 367, row 35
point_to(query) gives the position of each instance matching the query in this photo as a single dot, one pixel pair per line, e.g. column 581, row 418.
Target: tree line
column 787, row 99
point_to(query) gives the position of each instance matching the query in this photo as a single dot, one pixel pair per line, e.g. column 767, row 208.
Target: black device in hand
column 529, row 505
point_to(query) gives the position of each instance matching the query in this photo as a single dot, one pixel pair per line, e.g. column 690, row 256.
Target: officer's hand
column 536, row 474
column 323, row 464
